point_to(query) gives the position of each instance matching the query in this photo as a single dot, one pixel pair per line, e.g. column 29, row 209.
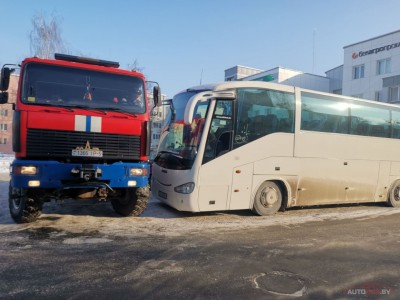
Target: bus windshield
column 179, row 142
column 78, row 88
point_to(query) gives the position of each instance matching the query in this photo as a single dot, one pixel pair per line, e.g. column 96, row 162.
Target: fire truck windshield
column 62, row 86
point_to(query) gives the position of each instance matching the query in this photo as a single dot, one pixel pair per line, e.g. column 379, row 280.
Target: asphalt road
column 81, row 251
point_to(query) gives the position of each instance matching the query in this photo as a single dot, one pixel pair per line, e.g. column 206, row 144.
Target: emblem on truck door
column 87, row 151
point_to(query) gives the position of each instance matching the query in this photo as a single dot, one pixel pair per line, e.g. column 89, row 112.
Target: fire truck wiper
column 89, row 108
column 54, row 106
column 120, row 110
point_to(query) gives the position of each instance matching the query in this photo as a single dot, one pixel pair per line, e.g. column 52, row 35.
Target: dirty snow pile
column 5, row 161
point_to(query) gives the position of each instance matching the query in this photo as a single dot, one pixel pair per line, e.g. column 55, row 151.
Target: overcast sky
column 182, row 42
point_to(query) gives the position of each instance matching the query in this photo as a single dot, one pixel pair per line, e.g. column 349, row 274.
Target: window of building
column 383, row 66
column 3, row 141
column 358, row 72
column 3, row 127
column 394, row 94
column 4, row 112
column 378, row 96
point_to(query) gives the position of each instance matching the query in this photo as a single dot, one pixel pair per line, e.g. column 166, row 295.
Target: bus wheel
column 394, row 195
column 268, row 199
column 132, row 202
column 22, row 208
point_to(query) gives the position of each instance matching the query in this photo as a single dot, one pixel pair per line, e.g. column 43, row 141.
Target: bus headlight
column 137, row 172
column 186, row 188
column 24, row 170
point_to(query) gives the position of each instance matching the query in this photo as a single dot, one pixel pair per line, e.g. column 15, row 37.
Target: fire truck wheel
column 268, row 199
column 132, row 202
column 22, row 208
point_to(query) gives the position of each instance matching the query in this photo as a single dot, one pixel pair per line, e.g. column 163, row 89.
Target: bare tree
column 135, row 66
column 45, row 37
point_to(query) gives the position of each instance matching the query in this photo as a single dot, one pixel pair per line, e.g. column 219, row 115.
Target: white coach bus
column 266, row 147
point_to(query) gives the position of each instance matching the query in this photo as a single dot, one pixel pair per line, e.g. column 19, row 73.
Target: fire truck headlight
column 33, row 183
column 137, row 172
column 186, row 188
column 24, row 170
column 132, row 183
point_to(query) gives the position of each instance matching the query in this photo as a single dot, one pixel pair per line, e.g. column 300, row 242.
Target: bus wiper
column 172, row 153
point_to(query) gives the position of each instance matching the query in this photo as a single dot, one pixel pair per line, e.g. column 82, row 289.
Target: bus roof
column 230, row 85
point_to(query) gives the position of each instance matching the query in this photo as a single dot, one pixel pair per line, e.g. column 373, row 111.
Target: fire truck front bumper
column 55, row 175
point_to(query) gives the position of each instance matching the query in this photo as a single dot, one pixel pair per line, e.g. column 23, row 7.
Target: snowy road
column 89, row 251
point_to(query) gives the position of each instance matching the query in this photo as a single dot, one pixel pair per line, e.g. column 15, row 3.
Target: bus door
column 215, row 174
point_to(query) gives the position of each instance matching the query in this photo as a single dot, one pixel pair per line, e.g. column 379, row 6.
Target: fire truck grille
column 59, row 144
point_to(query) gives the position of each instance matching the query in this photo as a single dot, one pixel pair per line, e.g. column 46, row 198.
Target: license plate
column 87, row 153
column 162, row 195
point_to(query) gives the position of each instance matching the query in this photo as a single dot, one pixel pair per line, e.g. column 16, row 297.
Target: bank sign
column 375, row 51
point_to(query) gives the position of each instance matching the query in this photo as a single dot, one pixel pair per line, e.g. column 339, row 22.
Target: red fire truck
column 81, row 130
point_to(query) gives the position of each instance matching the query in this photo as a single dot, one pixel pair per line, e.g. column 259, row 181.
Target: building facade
column 371, row 68
column 291, row 77
column 240, row 72
column 158, row 115
column 6, row 116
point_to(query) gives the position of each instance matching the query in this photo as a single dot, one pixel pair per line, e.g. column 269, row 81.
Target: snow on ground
column 5, row 161
column 159, row 219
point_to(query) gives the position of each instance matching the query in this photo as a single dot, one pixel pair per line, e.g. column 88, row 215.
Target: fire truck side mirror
column 157, row 96
column 5, row 78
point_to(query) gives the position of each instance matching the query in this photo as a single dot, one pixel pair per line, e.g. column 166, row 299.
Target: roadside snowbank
column 5, row 161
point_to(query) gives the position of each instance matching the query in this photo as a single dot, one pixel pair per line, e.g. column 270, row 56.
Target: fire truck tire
column 132, row 202
column 268, row 199
column 23, row 209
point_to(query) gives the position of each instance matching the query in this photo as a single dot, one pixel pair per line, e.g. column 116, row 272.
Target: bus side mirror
column 5, row 78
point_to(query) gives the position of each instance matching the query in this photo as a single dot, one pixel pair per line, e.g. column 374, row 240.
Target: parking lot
column 83, row 249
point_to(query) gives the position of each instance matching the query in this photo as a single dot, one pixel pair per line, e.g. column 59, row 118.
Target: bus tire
column 132, row 202
column 268, row 199
column 394, row 195
column 23, row 209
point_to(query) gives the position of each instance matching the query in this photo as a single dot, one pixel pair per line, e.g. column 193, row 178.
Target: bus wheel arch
column 394, row 194
column 270, row 197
